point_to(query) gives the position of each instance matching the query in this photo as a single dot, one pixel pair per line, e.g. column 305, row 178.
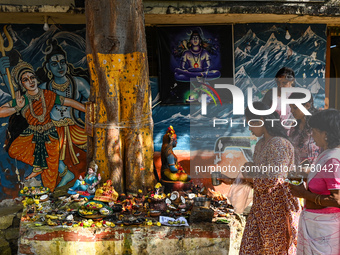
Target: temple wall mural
column 56, row 60
column 43, row 141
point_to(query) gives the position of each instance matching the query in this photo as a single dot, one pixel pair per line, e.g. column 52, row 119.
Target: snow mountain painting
column 262, row 49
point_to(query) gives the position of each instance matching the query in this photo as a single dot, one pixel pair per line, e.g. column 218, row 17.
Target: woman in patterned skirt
column 271, row 226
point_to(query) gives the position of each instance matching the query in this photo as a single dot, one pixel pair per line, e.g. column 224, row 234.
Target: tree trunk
column 122, row 142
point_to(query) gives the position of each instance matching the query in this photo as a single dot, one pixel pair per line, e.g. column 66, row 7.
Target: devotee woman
column 319, row 225
column 271, row 226
column 301, row 135
column 38, row 144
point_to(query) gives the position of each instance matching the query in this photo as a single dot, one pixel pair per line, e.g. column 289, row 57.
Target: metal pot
column 202, row 201
column 91, row 190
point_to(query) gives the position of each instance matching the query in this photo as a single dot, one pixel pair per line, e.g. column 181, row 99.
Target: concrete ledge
column 187, row 12
column 202, row 238
column 10, row 215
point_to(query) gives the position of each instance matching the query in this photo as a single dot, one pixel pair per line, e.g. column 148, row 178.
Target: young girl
column 285, row 78
column 301, row 135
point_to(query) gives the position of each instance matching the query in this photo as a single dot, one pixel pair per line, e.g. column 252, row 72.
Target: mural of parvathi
column 42, row 123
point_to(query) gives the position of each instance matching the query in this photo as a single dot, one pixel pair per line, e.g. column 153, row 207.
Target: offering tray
column 34, row 191
column 94, row 210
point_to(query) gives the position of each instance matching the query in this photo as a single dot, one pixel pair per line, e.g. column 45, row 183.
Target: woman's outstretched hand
column 298, row 190
column 226, row 180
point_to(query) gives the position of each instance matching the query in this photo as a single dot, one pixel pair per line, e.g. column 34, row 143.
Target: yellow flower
column 159, row 224
column 25, row 188
column 149, row 223
column 33, row 188
column 21, row 191
column 158, row 185
column 140, row 191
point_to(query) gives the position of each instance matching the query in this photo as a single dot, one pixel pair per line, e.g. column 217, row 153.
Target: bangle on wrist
column 319, row 200
column 316, row 199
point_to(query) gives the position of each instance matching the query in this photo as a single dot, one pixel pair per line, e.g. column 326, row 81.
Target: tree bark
column 122, row 142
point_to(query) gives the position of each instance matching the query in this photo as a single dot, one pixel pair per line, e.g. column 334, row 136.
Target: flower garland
column 171, row 132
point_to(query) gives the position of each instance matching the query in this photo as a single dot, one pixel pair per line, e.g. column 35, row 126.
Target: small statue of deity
column 106, row 193
column 171, row 170
column 88, row 184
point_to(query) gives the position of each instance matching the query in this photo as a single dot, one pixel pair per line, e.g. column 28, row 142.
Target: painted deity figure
column 63, row 79
column 38, row 144
column 195, row 61
column 171, row 170
column 89, row 182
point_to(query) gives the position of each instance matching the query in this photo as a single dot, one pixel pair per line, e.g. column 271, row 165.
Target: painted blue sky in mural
column 166, row 115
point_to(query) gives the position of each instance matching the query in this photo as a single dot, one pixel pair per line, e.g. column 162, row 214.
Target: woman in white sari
column 319, row 226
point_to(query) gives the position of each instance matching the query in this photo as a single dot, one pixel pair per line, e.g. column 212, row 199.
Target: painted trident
column 3, row 49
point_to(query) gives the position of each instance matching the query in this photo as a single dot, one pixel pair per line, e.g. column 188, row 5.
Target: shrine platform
column 198, row 238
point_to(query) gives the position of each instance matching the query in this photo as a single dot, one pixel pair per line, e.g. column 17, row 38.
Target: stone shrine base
column 198, row 238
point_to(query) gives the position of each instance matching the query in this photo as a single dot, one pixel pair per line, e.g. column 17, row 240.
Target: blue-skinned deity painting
column 54, row 62
column 196, row 58
column 192, row 54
